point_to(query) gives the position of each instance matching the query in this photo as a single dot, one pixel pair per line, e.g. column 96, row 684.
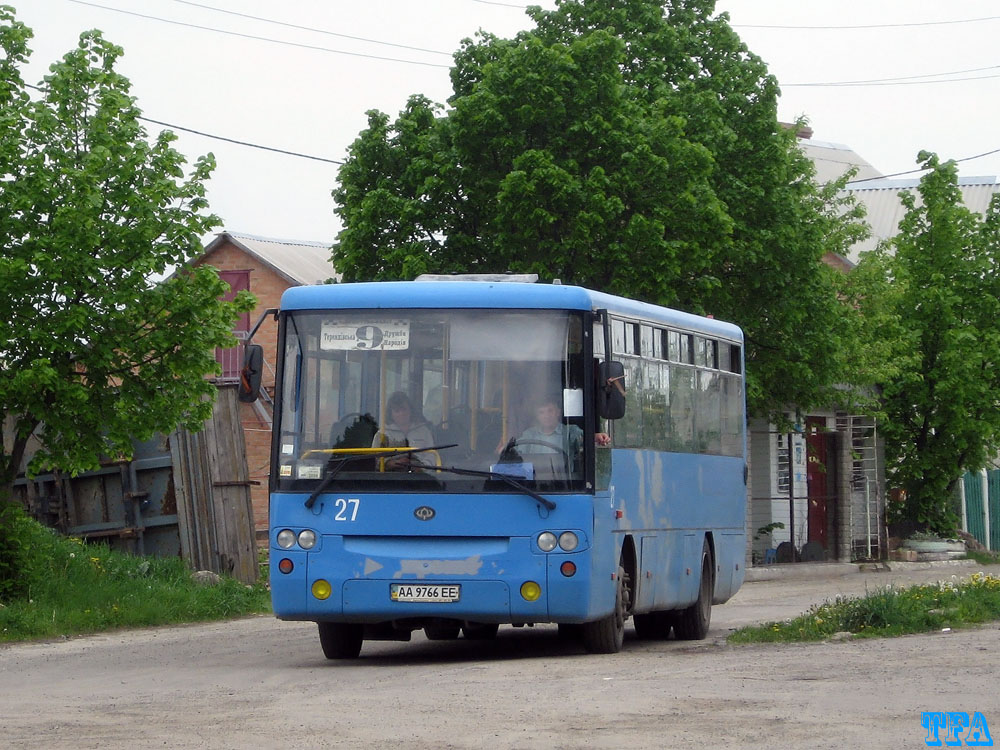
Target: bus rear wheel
column 607, row 635
column 691, row 624
column 340, row 640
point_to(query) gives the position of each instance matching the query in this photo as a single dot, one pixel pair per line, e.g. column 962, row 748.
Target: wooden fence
column 185, row 494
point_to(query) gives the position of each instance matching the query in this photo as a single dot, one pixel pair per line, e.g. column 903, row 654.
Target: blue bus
column 453, row 454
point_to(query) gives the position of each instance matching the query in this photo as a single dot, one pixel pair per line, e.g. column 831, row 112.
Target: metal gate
column 981, row 506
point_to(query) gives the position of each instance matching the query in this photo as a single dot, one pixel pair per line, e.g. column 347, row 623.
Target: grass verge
column 61, row 586
column 983, row 557
column 888, row 611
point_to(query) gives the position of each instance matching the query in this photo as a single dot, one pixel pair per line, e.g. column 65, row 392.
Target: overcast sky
column 308, row 91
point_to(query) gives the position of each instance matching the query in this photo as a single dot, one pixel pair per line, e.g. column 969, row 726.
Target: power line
column 335, row 161
column 259, row 38
column 240, row 143
column 915, row 171
column 898, row 78
column 504, row 5
column 810, row 28
column 309, row 28
column 864, row 26
column 905, row 80
column 221, row 137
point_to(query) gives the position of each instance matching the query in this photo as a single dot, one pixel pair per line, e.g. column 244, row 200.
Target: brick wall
column 267, row 286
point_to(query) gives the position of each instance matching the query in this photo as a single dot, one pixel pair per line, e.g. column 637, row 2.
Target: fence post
column 961, row 496
column 984, row 479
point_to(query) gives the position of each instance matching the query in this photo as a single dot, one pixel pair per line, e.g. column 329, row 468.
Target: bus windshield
column 396, row 399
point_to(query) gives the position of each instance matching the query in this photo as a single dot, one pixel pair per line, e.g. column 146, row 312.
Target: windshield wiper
column 335, row 465
column 497, row 475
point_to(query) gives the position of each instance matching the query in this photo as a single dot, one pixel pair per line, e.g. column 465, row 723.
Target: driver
column 550, row 434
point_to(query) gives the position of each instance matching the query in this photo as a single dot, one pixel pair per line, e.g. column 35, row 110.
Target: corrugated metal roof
column 885, row 210
column 297, row 261
column 833, row 159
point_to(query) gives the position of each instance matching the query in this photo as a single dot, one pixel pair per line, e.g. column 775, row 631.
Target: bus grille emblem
column 424, row 513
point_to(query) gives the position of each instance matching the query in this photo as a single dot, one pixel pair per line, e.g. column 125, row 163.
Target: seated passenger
column 402, row 430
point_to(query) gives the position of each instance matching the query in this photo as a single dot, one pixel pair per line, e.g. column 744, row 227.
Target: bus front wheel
column 340, row 640
column 607, row 635
column 691, row 624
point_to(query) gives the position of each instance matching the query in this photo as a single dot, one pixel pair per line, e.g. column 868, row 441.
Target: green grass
column 983, row 557
column 52, row 586
column 888, row 611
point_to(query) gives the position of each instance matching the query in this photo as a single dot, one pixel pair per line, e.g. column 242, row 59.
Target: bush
column 53, row 585
column 22, row 542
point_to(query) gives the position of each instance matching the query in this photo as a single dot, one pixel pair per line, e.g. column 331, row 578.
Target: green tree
column 93, row 352
column 933, row 302
column 628, row 145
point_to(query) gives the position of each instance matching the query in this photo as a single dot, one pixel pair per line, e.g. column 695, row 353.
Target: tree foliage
column 631, row 146
column 93, row 352
column 932, row 300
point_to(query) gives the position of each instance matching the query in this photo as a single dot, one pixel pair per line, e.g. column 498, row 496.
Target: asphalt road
column 259, row 682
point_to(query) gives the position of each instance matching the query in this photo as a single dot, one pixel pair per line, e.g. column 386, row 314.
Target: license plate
column 414, row 592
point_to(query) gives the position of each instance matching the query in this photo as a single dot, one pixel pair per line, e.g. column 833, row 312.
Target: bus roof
column 491, row 295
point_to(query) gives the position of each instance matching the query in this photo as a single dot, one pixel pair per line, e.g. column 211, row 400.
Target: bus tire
column 340, row 640
column 691, row 624
column 653, row 626
column 607, row 635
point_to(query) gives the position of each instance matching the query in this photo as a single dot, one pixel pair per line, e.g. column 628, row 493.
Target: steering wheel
column 553, row 448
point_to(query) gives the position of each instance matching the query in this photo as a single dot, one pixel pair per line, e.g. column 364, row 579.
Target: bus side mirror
column 253, row 364
column 611, row 390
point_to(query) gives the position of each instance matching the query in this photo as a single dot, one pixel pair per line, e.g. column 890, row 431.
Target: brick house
column 266, row 267
column 824, row 480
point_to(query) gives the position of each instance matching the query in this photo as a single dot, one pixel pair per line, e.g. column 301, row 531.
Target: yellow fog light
column 321, row 589
column 530, row 591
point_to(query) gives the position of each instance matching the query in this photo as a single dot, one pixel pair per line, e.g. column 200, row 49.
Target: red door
column 230, row 359
column 819, row 475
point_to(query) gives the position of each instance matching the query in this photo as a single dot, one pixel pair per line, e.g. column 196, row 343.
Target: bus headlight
column 568, row 541
column 307, row 539
column 286, row 538
column 546, row 541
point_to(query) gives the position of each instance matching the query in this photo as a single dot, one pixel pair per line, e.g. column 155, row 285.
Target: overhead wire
column 894, row 81
column 309, row 28
column 212, row 136
column 863, row 26
column 257, row 37
column 916, row 171
column 901, row 80
column 791, row 27
column 336, row 161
